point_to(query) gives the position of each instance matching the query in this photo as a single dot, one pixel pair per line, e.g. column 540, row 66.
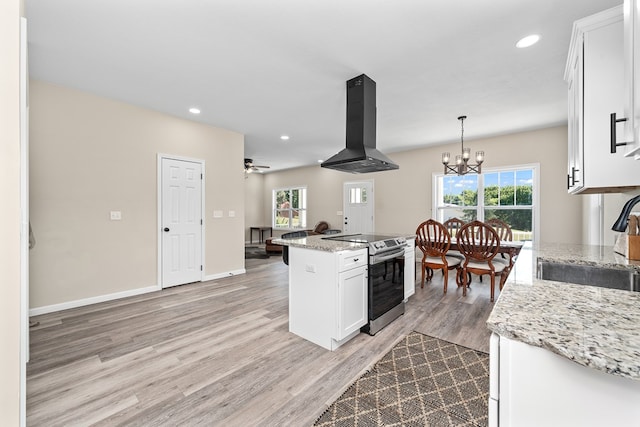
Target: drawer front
column 352, row 259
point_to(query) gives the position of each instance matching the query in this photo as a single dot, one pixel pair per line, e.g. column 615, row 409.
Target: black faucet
column 621, row 223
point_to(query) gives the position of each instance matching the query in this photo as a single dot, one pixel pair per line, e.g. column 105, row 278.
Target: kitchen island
column 330, row 288
column 561, row 353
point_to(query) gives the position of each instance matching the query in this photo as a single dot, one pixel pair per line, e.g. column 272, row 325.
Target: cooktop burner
column 376, row 243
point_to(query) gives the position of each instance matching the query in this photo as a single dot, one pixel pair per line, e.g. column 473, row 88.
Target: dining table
column 506, row 247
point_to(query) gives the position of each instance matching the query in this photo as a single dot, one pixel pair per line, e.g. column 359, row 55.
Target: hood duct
column 361, row 155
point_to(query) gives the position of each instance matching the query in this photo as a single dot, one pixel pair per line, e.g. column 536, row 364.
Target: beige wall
column 404, row 197
column 324, row 189
column 254, row 204
column 91, row 155
column 10, row 12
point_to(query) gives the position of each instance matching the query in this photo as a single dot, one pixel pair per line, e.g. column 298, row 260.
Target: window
column 508, row 194
column 290, row 208
column 358, row 196
column 458, row 198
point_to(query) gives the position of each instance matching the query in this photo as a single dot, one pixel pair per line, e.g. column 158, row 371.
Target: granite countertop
column 601, row 256
column 593, row 326
column 317, row 242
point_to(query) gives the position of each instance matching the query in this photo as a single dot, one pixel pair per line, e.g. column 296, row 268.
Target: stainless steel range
column 386, row 295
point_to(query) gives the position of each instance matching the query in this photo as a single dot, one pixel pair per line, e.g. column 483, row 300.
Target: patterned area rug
column 422, row 381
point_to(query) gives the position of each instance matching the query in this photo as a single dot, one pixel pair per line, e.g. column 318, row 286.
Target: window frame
column 303, row 211
column 480, row 205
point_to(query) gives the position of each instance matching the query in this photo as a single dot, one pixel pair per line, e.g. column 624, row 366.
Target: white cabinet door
column 409, row 270
column 631, row 80
column 574, row 172
column 352, row 301
column 595, row 74
column 603, row 95
column 494, row 380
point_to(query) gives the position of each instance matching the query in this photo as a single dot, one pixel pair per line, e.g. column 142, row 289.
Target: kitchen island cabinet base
column 327, row 295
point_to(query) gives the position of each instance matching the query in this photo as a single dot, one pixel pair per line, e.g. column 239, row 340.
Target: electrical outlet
column 217, row 214
column 232, row 214
column 310, row 268
column 115, row 215
column 339, row 213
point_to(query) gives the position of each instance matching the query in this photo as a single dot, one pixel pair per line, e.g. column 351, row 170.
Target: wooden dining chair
column 453, row 225
column 434, row 241
column 506, row 235
column 479, row 243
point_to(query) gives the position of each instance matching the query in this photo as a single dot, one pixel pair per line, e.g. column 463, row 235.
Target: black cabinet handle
column 568, row 181
column 573, row 175
column 166, row 229
column 612, row 124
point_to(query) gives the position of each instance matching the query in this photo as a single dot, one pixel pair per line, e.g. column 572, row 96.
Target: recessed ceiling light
column 194, row 110
column 528, row 41
column 284, row 137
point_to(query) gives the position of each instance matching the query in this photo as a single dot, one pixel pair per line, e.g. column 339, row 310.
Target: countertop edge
column 578, row 322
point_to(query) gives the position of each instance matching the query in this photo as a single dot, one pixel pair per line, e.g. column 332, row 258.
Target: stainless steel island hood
column 361, row 155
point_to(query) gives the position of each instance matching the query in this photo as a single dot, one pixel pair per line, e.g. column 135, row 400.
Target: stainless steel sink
column 612, row 278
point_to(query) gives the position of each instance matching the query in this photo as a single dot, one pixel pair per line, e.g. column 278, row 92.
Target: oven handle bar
column 386, row 256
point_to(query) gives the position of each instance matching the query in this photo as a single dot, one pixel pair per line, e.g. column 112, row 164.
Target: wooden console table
column 261, row 231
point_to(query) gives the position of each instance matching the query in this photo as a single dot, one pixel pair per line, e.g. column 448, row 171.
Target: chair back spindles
column 478, row 241
column 453, row 225
column 502, row 228
column 432, row 238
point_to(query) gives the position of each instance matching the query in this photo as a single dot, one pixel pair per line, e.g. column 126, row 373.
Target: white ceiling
column 268, row 68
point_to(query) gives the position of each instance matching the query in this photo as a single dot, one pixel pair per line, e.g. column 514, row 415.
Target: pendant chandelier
column 462, row 165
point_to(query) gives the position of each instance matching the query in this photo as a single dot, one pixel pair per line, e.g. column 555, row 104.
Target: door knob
column 166, row 229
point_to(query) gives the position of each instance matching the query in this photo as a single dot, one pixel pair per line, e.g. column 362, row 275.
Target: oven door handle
column 376, row 259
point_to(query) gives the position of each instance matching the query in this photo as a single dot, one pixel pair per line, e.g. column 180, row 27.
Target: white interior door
column 181, row 222
column 358, row 207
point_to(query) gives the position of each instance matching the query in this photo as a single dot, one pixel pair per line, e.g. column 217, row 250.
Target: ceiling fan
column 249, row 167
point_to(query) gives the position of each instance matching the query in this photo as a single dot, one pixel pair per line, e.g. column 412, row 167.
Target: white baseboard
column 110, row 297
column 92, row 300
column 222, row 275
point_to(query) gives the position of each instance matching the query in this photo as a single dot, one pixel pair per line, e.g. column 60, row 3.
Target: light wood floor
column 217, row 353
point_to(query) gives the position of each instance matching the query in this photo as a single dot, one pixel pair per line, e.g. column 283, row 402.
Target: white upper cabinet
column 631, row 79
column 595, row 75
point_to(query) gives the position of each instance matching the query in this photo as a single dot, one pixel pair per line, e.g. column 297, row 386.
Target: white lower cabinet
column 327, row 295
column 352, row 301
column 531, row 386
column 409, row 269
